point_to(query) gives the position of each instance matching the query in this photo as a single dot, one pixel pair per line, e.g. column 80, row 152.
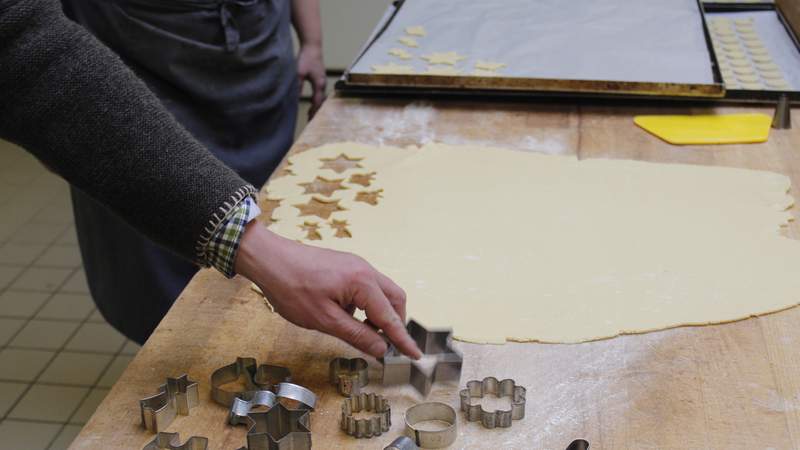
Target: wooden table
column 714, row 387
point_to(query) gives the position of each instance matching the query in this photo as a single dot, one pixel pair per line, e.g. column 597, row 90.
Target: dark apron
column 226, row 70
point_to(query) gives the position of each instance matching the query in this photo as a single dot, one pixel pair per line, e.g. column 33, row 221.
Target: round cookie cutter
column 437, row 411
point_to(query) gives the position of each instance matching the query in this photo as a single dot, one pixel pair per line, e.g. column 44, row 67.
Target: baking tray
column 666, row 76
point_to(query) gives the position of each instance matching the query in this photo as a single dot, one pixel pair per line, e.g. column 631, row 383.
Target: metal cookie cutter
column 578, row 444
column 432, row 411
column 497, row 418
column 297, row 393
column 402, row 443
column 369, row 427
column 399, row 369
column 176, row 396
column 246, row 401
column 349, row 375
column 253, row 376
column 171, row 441
column 280, row 428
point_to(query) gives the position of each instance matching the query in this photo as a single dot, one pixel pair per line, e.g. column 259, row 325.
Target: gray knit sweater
column 71, row 102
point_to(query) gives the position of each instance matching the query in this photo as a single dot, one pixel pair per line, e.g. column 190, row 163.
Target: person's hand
column 320, row 289
column 311, row 68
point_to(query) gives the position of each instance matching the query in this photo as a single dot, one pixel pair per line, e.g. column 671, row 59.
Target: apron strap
column 229, row 24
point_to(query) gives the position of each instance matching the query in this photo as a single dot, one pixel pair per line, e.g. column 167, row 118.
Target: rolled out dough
column 504, row 245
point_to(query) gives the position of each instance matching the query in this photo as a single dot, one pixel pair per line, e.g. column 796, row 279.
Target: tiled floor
column 58, row 357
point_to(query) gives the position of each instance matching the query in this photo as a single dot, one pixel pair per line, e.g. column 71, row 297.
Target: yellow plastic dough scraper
column 708, row 129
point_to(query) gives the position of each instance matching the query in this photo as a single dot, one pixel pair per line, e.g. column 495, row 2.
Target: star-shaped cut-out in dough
column 433, row 70
column 400, row 53
column 268, row 206
column 449, row 58
column 408, row 41
column 341, row 228
column 417, row 30
column 320, row 208
column 370, row 197
column 322, row 186
column 312, row 231
column 341, row 163
column 392, row 68
column 488, row 65
column 364, row 179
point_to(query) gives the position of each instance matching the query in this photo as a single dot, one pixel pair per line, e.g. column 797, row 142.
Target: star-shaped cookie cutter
column 399, row 369
column 171, row 441
column 349, row 375
column 497, row 418
column 176, row 396
column 280, row 428
column 254, row 377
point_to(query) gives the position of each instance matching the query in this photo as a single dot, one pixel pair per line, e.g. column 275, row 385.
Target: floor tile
column 44, row 334
column 97, row 337
column 81, row 369
column 20, row 254
column 54, row 214
column 41, row 279
column 131, row 348
column 16, row 435
column 49, row 403
column 22, row 365
column 8, row 327
column 22, row 304
column 69, row 236
column 76, row 283
column 67, row 306
column 114, row 371
column 65, row 437
column 38, row 233
column 88, row 406
column 67, row 256
column 9, row 394
column 97, row 317
column 7, row 274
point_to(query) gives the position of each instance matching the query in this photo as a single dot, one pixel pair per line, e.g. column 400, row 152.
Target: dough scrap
column 417, row 30
column 449, row 58
column 504, row 245
column 392, row 68
column 400, row 53
column 408, row 41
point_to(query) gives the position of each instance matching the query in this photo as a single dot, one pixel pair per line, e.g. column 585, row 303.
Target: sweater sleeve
column 71, row 102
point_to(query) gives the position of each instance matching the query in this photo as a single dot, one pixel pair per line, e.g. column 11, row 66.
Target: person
column 226, row 70
column 73, row 104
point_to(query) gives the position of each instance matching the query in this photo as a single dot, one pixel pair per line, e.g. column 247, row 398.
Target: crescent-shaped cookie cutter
column 424, row 412
column 246, row 402
column 306, row 398
column 176, row 396
column 349, row 375
column 254, row 377
column 171, row 441
column 578, row 444
column 496, row 418
column 371, row 426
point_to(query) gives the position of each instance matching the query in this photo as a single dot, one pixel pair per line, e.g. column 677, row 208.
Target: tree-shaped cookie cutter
column 370, row 426
column 176, row 396
column 399, row 369
column 349, row 375
column 280, row 428
column 491, row 386
column 171, row 441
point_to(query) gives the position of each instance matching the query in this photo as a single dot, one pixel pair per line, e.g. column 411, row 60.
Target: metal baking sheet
column 642, row 47
column 775, row 37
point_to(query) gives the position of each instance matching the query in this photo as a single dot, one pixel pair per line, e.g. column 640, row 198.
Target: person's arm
column 71, row 102
column 310, row 66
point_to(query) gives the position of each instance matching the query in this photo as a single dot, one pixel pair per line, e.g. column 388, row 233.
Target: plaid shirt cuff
column 224, row 245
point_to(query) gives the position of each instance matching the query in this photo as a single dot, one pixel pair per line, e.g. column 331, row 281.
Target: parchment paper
column 615, row 40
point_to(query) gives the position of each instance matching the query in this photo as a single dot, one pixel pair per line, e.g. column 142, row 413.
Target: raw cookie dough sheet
column 775, row 38
column 617, row 40
column 506, row 245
